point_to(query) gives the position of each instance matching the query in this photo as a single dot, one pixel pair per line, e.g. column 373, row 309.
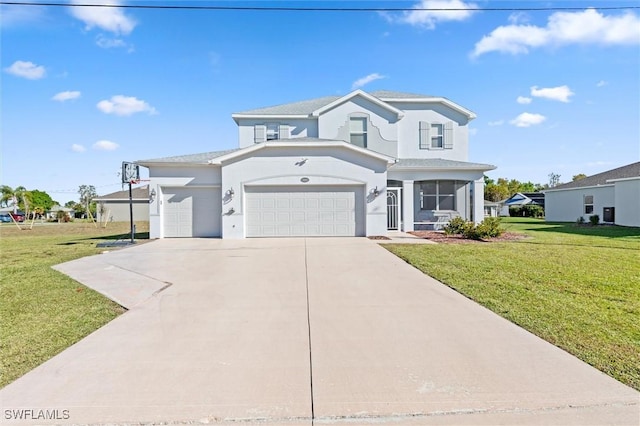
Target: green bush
column 489, row 228
column 455, row 226
column 580, row 221
column 528, row 210
column 594, row 219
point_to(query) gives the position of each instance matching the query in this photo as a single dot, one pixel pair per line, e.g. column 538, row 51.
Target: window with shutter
column 424, row 135
column 273, row 131
column 260, row 133
column 284, row 131
column 448, row 135
column 437, row 136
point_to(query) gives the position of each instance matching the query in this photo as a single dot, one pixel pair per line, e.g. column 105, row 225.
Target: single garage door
column 304, row 211
column 191, row 212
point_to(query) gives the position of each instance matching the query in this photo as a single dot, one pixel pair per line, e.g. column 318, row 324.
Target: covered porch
column 428, row 193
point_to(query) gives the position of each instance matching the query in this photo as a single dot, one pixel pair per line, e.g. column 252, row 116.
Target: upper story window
column 436, row 135
column 270, row 132
column 358, row 131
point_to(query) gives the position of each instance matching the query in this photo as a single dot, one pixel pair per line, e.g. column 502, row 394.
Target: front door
column 393, row 208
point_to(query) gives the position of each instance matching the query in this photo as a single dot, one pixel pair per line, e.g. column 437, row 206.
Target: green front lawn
column 576, row 287
column 42, row 311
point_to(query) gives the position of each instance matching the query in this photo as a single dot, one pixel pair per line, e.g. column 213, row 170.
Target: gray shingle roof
column 438, row 163
column 628, row 171
column 141, row 192
column 310, row 105
column 201, row 158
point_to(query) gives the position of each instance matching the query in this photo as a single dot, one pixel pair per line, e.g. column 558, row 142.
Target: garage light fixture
column 152, row 195
column 375, row 192
column 230, row 192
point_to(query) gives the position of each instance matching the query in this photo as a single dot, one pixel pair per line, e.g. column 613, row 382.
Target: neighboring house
column 520, row 199
column 491, row 208
column 613, row 195
column 114, row 207
column 53, row 212
column 353, row 165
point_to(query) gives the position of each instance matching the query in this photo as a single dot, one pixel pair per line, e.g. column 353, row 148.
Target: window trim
column 438, row 195
column 363, row 133
column 587, row 205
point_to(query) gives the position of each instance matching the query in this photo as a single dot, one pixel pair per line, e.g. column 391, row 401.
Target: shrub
column 580, row 221
column 455, row 226
column 594, row 219
column 489, row 228
column 515, row 211
column 528, row 210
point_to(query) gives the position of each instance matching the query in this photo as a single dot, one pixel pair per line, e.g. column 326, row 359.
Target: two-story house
column 353, row 165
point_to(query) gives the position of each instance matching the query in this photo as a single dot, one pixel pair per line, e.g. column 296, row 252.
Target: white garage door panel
column 191, row 212
column 296, row 212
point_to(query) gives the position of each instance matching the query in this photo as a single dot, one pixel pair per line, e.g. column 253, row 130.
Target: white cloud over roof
column 440, row 12
column 560, row 93
column 125, row 105
column 26, row 69
column 563, row 28
column 111, row 18
column 527, row 119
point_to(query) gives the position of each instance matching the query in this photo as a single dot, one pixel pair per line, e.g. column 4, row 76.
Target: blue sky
column 83, row 89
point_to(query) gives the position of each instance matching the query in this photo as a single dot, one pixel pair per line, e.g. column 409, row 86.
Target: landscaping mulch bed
column 378, row 237
column 441, row 237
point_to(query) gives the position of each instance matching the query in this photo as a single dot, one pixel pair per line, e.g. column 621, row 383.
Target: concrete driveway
column 302, row 331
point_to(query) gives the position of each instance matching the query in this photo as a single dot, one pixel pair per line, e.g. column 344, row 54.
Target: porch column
column 478, row 200
column 407, row 205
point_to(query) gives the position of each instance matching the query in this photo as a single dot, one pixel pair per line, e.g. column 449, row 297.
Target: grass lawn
column 576, row 287
column 42, row 311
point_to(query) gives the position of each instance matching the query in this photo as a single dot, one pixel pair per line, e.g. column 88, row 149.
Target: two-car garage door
column 304, row 211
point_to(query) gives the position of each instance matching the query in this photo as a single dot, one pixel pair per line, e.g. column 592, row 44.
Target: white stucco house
column 613, row 195
column 352, row 165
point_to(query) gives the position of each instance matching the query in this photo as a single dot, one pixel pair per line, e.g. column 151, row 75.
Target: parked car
column 5, row 218
column 18, row 217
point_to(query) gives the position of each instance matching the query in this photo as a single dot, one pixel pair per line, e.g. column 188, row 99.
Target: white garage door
column 306, row 211
column 191, row 212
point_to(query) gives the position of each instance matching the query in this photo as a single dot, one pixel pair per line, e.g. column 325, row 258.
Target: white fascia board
column 454, row 106
column 332, row 144
column 267, row 117
column 362, row 94
column 578, row 188
column 173, row 164
column 624, row 179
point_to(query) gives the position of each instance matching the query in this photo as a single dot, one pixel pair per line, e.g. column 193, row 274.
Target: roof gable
column 361, row 94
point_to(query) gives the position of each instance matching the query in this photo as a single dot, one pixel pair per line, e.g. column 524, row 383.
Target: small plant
column 455, row 226
column 489, row 228
column 580, row 221
column 594, row 219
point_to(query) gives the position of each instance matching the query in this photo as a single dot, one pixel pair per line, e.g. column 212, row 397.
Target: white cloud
column 560, row 93
column 110, row 43
column 563, row 28
column 110, row 19
column 429, row 18
column 17, row 15
column 527, row 119
column 26, row 69
column 496, row 123
column 105, row 145
column 518, row 18
column 523, row 100
column 125, row 105
column 77, row 148
column 602, row 83
column 66, row 96
column 366, row 80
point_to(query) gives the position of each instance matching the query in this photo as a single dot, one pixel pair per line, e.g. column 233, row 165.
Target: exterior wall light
column 230, row 192
column 375, row 191
column 152, row 195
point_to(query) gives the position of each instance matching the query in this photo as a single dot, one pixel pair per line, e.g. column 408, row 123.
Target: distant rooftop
column 628, row 171
column 201, row 158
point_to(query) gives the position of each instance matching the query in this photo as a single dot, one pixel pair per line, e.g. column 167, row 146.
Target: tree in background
column 41, row 201
column 87, row 194
column 579, row 176
column 505, row 188
column 554, row 180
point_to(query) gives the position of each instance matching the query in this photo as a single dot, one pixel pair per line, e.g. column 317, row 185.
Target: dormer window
column 358, row 131
column 273, row 131
column 270, row 132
